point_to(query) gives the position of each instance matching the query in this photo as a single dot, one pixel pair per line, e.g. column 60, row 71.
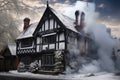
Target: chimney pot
column 76, row 13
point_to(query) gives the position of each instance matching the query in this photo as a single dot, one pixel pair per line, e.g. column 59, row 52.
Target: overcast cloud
column 108, row 10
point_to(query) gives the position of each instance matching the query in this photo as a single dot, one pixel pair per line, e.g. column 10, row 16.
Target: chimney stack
column 79, row 20
column 82, row 19
column 26, row 23
column 76, row 17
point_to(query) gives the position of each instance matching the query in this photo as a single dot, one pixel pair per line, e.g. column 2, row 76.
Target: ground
column 31, row 76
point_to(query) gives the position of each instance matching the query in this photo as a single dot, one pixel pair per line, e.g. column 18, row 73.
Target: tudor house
column 48, row 44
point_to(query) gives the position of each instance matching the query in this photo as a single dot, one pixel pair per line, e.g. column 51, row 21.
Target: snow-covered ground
column 96, row 76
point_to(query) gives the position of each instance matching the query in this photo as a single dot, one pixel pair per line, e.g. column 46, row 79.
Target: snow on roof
column 28, row 32
column 12, row 48
column 68, row 22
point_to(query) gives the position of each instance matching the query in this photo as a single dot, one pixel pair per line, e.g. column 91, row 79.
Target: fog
column 100, row 35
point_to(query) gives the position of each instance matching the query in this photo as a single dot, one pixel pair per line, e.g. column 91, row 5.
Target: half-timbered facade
column 49, row 42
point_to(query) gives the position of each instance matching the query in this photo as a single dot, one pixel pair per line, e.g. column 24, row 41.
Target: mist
column 100, row 35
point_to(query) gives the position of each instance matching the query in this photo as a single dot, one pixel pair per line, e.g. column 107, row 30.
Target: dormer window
column 26, row 43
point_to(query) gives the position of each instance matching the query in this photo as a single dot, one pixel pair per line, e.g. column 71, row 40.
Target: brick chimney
column 76, row 17
column 82, row 19
column 26, row 23
column 79, row 20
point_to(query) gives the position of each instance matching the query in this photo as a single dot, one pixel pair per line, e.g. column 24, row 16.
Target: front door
column 47, row 62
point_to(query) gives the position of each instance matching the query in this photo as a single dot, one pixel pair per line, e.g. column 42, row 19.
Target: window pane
column 49, row 39
column 26, row 43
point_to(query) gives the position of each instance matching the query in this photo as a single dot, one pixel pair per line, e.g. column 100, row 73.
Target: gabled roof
column 28, row 32
column 66, row 21
column 12, row 48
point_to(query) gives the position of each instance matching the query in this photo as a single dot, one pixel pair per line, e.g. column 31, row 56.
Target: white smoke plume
column 98, row 32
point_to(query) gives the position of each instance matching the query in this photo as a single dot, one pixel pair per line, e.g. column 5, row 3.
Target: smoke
column 101, row 37
column 106, row 45
column 92, row 67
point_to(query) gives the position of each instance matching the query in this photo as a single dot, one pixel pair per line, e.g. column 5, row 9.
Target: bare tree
column 10, row 12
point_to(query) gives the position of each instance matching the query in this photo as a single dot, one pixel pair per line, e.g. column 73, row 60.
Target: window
column 49, row 39
column 26, row 43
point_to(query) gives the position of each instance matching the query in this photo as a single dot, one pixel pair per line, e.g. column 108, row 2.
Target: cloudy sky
column 108, row 10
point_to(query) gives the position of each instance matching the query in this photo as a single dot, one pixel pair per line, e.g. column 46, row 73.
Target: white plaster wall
column 51, row 46
column 51, row 24
column 62, row 45
column 44, row 47
column 62, row 37
column 46, row 25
